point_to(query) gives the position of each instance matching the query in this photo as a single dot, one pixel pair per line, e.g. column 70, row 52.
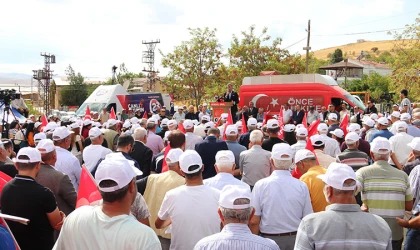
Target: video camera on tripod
column 8, row 95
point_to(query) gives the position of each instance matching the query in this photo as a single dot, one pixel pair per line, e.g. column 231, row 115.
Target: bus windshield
column 355, row 101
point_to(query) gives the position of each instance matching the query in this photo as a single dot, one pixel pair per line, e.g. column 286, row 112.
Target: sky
column 94, row 35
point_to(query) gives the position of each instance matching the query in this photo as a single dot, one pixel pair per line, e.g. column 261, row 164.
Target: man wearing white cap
column 179, row 115
column 223, row 119
column 225, row 168
column 352, row 156
column 399, row 145
column 333, row 123
column 111, row 135
column 254, row 163
column 306, row 162
column 395, row 117
column 95, row 151
column 280, row 201
column 318, row 143
column 58, row 182
column 66, row 162
column 199, row 129
column 331, row 146
column 155, row 188
column 273, row 129
column 190, row 138
column 301, row 134
column 343, row 225
column 235, row 211
column 104, row 116
column 412, row 129
column 382, row 126
column 251, row 125
column 414, row 159
column 369, row 125
column 191, row 209
column 154, row 142
column 380, row 176
column 88, row 226
column 24, row 197
column 232, row 134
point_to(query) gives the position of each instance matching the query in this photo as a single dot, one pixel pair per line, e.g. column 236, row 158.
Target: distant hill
column 353, row 50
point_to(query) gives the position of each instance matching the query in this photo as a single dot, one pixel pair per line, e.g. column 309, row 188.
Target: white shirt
column 68, row 164
column 193, row 213
column 297, row 146
column 191, row 139
column 19, row 104
column 223, row 179
column 399, row 147
column 282, row 201
column 332, row 148
column 93, row 153
column 74, row 147
column 178, row 117
column 199, row 130
column 287, row 115
column 89, row 228
column 236, row 236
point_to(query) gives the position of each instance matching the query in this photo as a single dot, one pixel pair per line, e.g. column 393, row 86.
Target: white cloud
column 93, row 35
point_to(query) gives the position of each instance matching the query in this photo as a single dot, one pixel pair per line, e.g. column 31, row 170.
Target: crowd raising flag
column 88, row 191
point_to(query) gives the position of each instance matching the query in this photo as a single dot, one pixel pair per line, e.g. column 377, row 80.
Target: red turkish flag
column 281, row 123
column 44, row 121
column 88, row 191
column 145, row 115
column 4, row 179
column 305, row 121
column 313, row 128
column 87, row 114
column 164, row 163
column 228, row 122
column 264, row 119
column 244, row 128
column 181, row 128
column 344, row 123
column 112, row 114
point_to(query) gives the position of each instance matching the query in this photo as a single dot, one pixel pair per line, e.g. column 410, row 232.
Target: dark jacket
column 234, row 98
column 143, row 155
column 298, row 116
column 191, row 116
column 8, row 169
column 253, row 112
column 208, row 149
column 371, row 110
column 60, row 184
column 244, row 139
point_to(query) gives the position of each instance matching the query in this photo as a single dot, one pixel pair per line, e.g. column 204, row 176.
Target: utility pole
column 44, row 77
column 149, row 59
column 307, row 48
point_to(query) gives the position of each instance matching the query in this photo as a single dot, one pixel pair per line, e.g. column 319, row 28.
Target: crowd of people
column 186, row 181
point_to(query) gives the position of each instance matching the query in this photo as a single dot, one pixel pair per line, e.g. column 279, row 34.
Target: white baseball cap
column 74, row 126
column 167, row 133
column 338, row 132
column 32, row 153
column 322, row 127
column 224, row 116
column 400, row 125
column 173, row 155
column 239, row 124
column 317, row 140
column 415, row 144
column 299, row 126
column 383, row 121
column 188, row 159
column 37, row 124
column 30, row 116
column 39, row 136
column 303, row 154
column 374, row 116
column 369, row 122
column 51, row 126
column 396, row 114
column 117, row 168
column 337, row 174
column 259, row 125
column 289, row 128
column 252, row 122
column 301, row 132
column 205, row 118
column 403, row 117
column 352, row 137
column 97, row 124
column 151, row 120
column 95, row 132
column 45, row 146
column 281, row 149
column 164, row 122
column 134, row 120
column 195, row 122
column 172, row 123
column 87, row 122
column 230, row 193
column 353, row 127
column 61, row 133
column 127, row 124
column 112, row 122
column 225, row 156
column 209, row 125
column 272, row 123
column 332, row 116
column 231, row 130
column 188, row 124
column 380, row 145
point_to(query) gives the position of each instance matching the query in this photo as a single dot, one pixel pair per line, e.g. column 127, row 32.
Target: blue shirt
column 236, row 149
column 382, row 133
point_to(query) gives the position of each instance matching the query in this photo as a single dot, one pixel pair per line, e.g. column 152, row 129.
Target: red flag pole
column 305, row 121
column 244, row 128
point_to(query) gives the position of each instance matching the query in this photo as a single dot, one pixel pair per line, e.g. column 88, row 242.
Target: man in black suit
column 231, row 96
column 208, row 149
column 141, row 153
column 252, row 111
column 298, row 115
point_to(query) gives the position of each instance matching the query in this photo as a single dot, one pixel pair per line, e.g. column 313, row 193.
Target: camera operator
column 405, row 106
column 371, row 109
column 20, row 105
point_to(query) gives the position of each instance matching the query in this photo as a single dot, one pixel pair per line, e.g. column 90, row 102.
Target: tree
column 337, row 56
column 406, row 64
column 76, row 92
column 193, row 65
column 375, row 84
column 315, row 63
column 374, row 49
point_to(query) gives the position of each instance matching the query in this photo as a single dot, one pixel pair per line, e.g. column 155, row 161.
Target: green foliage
column 374, row 49
column 123, row 75
column 315, row 63
column 76, row 93
column 31, row 109
column 337, row 56
column 406, row 64
column 375, row 84
column 193, row 65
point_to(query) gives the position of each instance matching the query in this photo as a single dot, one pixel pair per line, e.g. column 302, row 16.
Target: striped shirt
column 343, row 226
column 385, row 190
column 414, row 183
column 354, row 158
column 235, row 236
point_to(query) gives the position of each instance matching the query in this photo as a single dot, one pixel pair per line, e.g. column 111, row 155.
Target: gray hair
column 282, row 164
column 225, row 165
column 237, row 215
column 252, row 127
column 381, row 156
column 150, row 125
column 347, row 183
column 139, row 133
column 256, row 136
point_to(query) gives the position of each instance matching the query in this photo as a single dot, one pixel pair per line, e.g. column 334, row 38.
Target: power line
column 382, row 19
column 295, row 43
column 360, row 33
